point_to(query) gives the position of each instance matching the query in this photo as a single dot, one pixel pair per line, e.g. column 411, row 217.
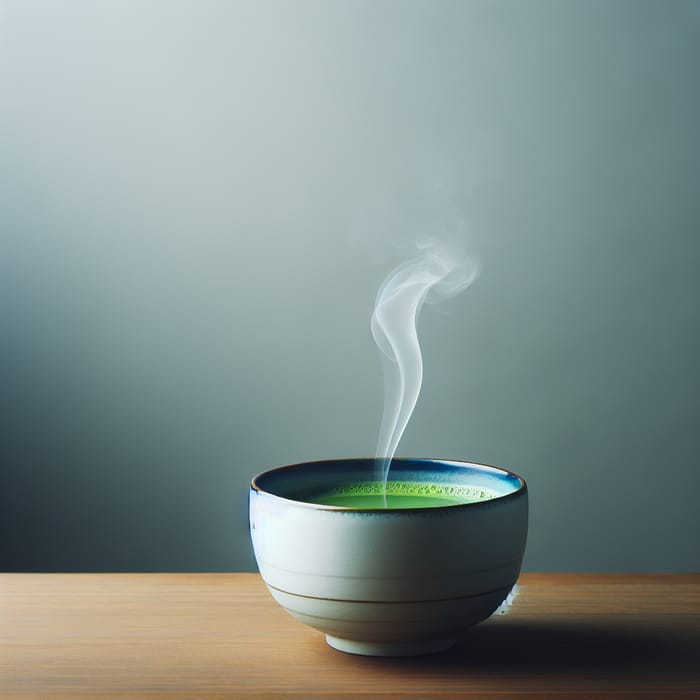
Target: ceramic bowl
column 386, row 582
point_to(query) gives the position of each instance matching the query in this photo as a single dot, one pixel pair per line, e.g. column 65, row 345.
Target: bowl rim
column 518, row 492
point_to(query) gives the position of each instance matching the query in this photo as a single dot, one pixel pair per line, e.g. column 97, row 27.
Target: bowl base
column 414, row 648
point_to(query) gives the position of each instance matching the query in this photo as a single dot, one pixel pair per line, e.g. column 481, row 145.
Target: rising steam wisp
column 435, row 274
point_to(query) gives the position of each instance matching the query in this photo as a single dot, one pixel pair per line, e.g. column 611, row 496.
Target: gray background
column 199, row 201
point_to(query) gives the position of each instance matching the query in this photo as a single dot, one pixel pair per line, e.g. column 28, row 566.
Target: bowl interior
column 305, row 482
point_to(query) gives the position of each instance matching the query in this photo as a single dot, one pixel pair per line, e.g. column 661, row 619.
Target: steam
column 437, row 273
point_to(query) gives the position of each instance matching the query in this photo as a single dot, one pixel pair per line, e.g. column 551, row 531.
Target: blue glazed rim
column 399, row 465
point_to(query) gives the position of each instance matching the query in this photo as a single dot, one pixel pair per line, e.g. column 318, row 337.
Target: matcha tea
column 401, row 494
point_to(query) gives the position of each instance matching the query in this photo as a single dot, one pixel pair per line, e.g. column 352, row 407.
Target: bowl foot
column 414, row 648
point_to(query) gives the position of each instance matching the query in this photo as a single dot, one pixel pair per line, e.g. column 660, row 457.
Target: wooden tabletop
column 222, row 636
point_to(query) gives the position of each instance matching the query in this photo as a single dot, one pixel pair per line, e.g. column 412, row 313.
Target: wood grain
column 222, row 636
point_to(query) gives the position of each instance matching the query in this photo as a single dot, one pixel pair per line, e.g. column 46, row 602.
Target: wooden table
column 222, row 636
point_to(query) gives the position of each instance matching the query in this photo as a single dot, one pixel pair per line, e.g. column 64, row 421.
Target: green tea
column 401, row 494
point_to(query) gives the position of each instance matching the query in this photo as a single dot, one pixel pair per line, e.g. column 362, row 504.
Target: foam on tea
column 401, row 494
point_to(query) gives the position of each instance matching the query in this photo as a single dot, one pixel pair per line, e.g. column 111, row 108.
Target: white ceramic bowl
column 388, row 581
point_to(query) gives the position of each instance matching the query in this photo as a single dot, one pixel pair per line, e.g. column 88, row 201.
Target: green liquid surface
column 401, row 494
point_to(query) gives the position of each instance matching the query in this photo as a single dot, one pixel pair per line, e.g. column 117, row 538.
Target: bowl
column 389, row 581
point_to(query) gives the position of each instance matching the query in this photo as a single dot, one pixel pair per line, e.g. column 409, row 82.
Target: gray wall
column 199, row 200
